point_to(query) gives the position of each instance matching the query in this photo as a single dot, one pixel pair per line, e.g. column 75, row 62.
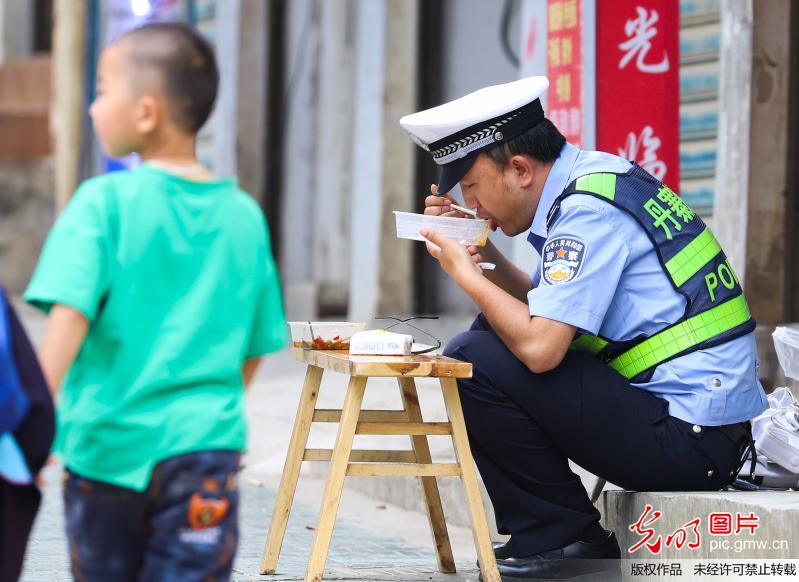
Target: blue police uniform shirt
column 619, row 290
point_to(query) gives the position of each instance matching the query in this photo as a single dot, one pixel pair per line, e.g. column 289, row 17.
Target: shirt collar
column 557, row 180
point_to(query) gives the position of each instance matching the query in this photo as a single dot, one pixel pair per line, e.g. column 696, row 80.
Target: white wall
column 16, row 29
column 473, row 58
column 299, row 160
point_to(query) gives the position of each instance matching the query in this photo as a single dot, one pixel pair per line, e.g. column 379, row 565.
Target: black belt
column 739, row 433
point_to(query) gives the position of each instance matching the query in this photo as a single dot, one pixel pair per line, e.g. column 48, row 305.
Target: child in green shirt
column 162, row 295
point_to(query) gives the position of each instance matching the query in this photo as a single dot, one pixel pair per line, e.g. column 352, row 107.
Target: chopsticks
column 469, row 211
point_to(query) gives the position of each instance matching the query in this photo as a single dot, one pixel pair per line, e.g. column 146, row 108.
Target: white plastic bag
column 786, row 343
column 773, row 476
column 776, row 443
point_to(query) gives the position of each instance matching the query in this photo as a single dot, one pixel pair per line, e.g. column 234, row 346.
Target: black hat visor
column 453, row 172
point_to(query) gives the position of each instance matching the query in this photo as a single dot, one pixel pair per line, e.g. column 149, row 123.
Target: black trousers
column 524, row 427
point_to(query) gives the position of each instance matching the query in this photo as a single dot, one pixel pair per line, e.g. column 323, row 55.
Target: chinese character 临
column 640, row 32
column 643, row 149
column 676, row 204
column 661, row 216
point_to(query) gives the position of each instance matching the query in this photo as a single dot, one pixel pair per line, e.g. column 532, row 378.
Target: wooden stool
column 366, row 463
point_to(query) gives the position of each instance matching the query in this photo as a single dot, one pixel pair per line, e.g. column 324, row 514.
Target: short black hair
column 542, row 142
column 186, row 64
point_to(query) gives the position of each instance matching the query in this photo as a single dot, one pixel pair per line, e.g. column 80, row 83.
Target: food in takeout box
column 323, row 335
column 467, row 231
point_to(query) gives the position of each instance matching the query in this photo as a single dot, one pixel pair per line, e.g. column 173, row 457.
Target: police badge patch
column 561, row 259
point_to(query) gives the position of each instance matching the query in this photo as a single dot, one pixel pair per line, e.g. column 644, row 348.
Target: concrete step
column 776, row 517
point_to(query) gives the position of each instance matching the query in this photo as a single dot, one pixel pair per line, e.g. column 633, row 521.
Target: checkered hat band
column 487, row 133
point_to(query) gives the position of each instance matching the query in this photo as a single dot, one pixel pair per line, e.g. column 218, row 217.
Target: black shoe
column 502, row 550
column 580, row 558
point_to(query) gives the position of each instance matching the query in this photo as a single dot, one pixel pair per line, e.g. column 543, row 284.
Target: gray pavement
column 371, row 541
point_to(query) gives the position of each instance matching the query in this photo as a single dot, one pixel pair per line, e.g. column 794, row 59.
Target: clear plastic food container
column 323, row 335
column 467, row 231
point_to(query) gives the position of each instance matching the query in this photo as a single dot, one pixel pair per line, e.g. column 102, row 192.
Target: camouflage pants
column 183, row 527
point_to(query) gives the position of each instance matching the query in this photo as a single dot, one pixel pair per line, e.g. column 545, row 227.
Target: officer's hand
column 454, row 258
column 474, row 252
column 440, row 205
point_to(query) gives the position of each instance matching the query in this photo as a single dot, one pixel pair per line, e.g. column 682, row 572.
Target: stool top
column 392, row 366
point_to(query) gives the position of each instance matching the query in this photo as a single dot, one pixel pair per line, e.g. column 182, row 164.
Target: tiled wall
column 700, row 30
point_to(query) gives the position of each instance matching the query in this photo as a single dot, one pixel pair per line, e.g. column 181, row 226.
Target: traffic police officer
column 630, row 349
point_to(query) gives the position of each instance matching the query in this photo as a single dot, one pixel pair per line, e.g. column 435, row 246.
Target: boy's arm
column 248, row 370
column 63, row 338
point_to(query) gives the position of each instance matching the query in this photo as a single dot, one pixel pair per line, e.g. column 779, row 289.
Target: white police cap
column 456, row 132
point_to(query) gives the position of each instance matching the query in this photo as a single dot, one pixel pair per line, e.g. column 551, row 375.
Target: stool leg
column 291, row 470
column 335, row 480
column 460, row 441
column 435, row 513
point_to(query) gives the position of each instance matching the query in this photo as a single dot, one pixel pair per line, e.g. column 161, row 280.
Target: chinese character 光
column 661, row 215
column 676, row 204
column 643, row 529
column 640, row 32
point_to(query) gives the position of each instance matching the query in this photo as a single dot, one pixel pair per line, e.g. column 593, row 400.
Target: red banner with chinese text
column 637, row 84
column 565, row 67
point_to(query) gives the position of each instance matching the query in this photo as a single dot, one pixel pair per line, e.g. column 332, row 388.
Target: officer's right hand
column 440, row 205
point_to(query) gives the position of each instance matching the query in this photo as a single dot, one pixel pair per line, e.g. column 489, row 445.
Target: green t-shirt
column 179, row 285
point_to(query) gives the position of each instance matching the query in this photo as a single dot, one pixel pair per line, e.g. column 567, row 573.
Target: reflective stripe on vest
column 589, row 343
column 692, row 258
column 602, row 184
column 669, row 342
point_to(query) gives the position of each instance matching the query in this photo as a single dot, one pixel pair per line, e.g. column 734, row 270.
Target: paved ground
column 372, row 540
